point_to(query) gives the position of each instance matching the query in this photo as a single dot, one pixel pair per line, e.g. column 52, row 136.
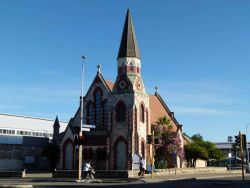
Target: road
column 178, row 181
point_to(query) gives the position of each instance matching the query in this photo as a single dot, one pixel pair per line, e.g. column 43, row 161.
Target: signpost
column 89, row 126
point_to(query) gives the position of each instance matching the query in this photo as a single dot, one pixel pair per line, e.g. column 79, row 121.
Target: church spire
column 128, row 45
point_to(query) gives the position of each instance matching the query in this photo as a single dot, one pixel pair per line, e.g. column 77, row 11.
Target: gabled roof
column 128, row 45
column 99, row 78
column 158, row 108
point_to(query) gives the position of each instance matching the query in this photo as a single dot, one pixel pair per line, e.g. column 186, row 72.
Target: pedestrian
column 142, row 166
column 88, row 170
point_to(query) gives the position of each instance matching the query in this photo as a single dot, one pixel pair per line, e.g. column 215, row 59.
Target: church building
column 122, row 112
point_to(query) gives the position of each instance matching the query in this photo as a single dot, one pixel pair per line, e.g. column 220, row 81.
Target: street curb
column 166, row 180
column 17, row 186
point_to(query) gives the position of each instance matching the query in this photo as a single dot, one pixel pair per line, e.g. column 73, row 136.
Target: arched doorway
column 69, row 156
column 121, row 155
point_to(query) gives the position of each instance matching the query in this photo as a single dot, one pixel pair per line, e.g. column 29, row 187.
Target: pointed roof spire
column 128, row 45
column 56, row 123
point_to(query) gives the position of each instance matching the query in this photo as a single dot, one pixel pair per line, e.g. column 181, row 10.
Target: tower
column 129, row 59
column 56, row 128
column 130, row 102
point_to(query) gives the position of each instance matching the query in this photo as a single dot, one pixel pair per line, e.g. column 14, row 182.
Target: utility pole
column 81, row 123
column 241, row 154
column 248, row 168
column 153, row 143
column 229, row 139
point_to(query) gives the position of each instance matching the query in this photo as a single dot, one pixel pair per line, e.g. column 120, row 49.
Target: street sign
column 85, row 129
column 89, row 126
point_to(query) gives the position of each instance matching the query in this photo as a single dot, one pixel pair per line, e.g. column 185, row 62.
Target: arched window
column 105, row 113
column 98, row 103
column 142, row 150
column 120, row 112
column 142, row 118
column 90, row 114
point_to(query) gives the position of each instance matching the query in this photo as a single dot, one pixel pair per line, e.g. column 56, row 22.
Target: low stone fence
column 7, row 174
column 173, row 171
column 134, row 173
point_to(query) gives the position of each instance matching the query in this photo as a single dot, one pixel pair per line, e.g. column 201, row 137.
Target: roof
column 110, row 84
column 128, row 45
column 28, row 123
column 99, row 78
column 56, row 123
column 158, row 109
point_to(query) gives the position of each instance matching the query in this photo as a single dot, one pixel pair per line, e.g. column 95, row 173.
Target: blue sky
column 197, row 52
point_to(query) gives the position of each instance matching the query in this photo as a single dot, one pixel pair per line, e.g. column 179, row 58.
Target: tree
column 168, row 142
column 193, row 152
column 200, row 149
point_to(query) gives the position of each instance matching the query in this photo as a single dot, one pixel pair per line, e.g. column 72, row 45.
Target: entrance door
column 121, row 159
column 68, row 156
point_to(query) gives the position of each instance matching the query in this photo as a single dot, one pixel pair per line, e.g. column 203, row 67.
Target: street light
column 247, row 147
column 229, row 139
column 81, row 123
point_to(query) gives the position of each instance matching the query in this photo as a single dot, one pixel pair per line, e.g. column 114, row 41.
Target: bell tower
column 131, row 113
column 129, row 59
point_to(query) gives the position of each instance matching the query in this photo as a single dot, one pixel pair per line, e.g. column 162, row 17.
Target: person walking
column 142, row 166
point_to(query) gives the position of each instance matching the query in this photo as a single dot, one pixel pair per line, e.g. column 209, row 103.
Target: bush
column 162, row 164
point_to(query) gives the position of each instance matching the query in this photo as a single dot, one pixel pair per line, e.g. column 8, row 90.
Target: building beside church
column 122, row 111
column 23, row 141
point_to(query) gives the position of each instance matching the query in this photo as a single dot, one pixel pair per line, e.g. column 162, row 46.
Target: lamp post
column 81, row 123
column 229, row 139
column 247, row 147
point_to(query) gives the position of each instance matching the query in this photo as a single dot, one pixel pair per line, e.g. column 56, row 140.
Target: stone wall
column 12, row 157
column 134, row 173
column 8, row 174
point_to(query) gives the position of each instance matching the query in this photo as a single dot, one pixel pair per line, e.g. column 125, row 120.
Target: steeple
column 128, row 45
column 56, row 128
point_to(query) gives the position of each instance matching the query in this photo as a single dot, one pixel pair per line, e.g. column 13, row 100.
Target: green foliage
column 197, row 138
column 162, row 164
column 200, row 149
column 168, row 141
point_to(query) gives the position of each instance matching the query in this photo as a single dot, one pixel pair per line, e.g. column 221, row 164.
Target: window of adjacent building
column 142, row 118
column 120, row 112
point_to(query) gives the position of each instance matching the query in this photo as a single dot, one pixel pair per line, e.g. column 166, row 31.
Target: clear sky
column 196, row 51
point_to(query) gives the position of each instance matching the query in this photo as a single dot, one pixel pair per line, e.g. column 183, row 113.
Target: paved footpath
column 45, row 180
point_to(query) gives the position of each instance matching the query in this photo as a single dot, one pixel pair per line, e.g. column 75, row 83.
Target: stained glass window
column 98, row 102
column 90, row 114
column 105, row 113
column 120, row 112
column 142, row 113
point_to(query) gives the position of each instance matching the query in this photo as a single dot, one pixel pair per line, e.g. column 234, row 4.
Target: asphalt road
column 178, row 181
